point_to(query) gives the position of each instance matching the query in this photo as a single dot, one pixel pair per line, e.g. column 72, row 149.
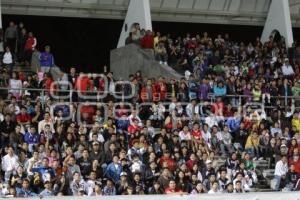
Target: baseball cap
column 123, row 174
column 208, row 162
column 95, row 143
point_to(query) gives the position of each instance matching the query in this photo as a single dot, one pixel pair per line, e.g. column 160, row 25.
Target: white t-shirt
column 7, row 58
column 185, row 136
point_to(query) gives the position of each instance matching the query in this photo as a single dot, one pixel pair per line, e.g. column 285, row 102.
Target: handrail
column 211, row 96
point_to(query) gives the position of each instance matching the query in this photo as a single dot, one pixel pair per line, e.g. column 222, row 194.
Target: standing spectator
column 46, row 60
column 30, row 45
column 287, row 69
column 15, row 84
column 22, row 38
column 161, row 53
column 147, row 41
column 10, row 37
column 281, row 169
column 8, row 59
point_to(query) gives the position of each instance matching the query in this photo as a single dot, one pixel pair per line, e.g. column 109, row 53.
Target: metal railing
column 96, row 96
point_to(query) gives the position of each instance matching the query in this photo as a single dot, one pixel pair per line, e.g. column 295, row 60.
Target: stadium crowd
column 240, row 103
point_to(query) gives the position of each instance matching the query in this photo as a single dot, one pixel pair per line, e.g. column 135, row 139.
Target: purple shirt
column 203, row 91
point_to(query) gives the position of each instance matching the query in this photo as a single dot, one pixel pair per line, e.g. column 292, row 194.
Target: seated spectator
column 47, row 192
column 220, row 89
column 78, row 184
column 25, row 190
column 214, row 189
column 172, row 189
column 109, row 189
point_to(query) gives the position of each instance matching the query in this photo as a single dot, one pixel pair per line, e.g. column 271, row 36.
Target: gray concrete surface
column 131, row 58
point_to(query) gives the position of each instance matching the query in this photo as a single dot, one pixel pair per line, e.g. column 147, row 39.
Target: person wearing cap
column 122, row 184
column 208, row 169
column 97, row 154
column 286, row 68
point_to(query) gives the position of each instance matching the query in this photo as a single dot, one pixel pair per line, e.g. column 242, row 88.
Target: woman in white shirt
column 7, row 58
column 15, row 84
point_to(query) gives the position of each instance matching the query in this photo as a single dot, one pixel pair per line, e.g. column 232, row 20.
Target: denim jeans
column 277, row 182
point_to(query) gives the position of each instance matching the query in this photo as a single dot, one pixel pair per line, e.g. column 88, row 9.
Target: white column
column 279, row 18
column 138, row 12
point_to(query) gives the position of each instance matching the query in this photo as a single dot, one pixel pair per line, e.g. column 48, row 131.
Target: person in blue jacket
column 31, row 137
column 114, row 169
column 220, row 89
column 25, row 190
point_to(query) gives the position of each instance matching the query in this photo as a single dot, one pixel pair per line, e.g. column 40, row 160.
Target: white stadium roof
column 241, row 12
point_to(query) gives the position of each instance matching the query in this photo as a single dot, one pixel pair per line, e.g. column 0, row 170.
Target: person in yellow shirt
column 296, row 121
column 156, row 39
column 252, row 144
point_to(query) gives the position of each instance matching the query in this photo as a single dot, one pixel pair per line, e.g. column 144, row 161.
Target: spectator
column 172, row 189
column 147, row 41
column 15, row 85
column 281, row 169
column 25, row 190
column 46, row 60
column 30, row 46
column 10, row 37
column 161, row 53
column 8, row 60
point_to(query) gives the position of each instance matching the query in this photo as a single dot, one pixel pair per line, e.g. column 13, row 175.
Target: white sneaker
column 160, row 62
column 165, row 63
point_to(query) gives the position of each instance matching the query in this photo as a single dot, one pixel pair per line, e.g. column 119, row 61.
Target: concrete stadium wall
column 131, row 58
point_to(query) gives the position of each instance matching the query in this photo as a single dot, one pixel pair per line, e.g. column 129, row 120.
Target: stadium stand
column 230, row 125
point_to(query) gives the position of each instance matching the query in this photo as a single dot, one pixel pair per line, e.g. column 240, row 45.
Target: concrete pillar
column 138, row 12
column 279, row 18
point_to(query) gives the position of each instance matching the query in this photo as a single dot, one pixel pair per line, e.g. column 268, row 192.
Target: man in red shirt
column 87, row 112
column 296, row 161
column 147, row 41
column 23, row 118
column 172, row 188
column 133, row 128
column 171, row 164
